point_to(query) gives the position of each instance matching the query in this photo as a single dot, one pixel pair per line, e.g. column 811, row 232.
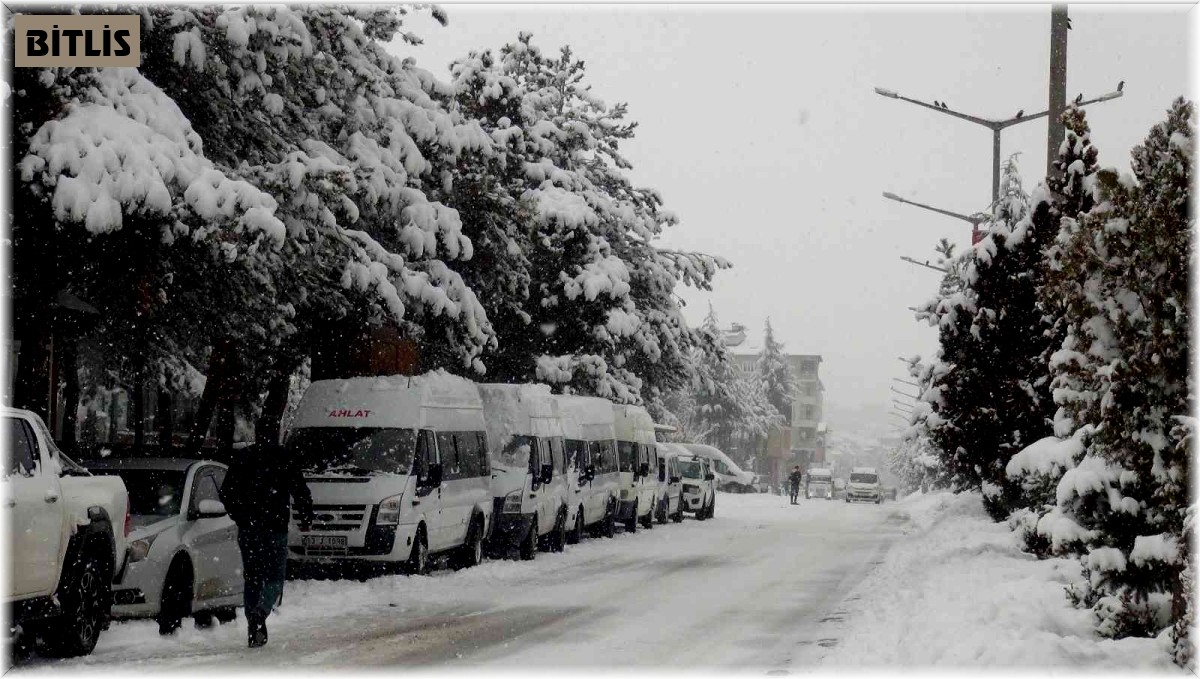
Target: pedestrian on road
column 794, row 481
column 258, row 491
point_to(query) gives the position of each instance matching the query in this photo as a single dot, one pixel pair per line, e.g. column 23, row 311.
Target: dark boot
column 256, row 632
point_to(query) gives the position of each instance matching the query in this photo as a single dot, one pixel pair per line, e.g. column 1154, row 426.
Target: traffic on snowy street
column 756, row 587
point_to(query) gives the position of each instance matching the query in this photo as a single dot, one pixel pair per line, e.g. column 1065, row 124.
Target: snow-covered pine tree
column 714, row 392
column 596, row 310
column 991, row 394
column 272, row 167
column 775, row 373
column 1122, row 379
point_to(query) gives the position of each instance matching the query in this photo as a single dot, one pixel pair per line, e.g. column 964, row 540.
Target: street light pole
column 996, row 126
column 974, row 220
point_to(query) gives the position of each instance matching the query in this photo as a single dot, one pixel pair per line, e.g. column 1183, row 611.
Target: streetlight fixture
column 974, row 220
column 996, row 126
column 925, row 264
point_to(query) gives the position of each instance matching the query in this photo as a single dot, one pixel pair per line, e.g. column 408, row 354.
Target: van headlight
column 139, row 549
column 389, row 511
column 512, row 502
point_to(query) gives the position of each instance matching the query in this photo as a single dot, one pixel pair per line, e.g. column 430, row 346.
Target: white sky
column 760, row 127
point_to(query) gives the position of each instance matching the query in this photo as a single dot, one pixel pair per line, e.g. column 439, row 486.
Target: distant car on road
column 699, row 486
column 864, row 486
column 729, row 477
column 819, row 484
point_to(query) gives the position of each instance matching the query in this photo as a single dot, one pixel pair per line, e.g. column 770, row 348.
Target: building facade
column 803, row 443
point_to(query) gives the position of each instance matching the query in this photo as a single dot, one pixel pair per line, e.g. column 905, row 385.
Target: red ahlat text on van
column 346, row 412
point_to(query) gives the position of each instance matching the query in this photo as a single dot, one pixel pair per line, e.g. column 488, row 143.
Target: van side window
column 426, row 453
column 609, row 452
column 485, row 463
column 556, row 455
column 451, row 469
column 467, row 443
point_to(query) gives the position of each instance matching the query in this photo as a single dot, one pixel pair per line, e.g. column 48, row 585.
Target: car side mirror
column 644, row 470
column 709, row 476
column 547, row 473
column 591, row 472
column 432, row 477
column 675, row 479
column 208, row 509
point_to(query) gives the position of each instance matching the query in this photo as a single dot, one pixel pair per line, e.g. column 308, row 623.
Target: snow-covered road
column 755, row 588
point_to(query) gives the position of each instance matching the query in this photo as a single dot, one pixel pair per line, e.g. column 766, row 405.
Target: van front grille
column 345, row 518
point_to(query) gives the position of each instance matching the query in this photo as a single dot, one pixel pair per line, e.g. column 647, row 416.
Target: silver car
column 183, row 558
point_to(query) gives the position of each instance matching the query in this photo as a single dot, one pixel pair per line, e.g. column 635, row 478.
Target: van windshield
column 863, row 478
column 626, row 456
column 515, row 452
column 820, row 478
column 690, row 469
column 361, row 451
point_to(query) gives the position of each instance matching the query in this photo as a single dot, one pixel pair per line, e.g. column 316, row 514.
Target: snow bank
column 958, row 591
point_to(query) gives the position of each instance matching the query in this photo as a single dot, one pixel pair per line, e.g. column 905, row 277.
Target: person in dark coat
column 262, row 484
column 794, row 482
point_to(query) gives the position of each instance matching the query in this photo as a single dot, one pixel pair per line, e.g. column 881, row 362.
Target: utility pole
column 1059, row 25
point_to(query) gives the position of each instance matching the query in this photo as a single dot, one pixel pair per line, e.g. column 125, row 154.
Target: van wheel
column 85, row 597
column 471, row 553
column 609, row 525
column 678, row 518
column 661, row 514
column 418, row 559
column 712, row 507
column 648, row 522
column 577, row 534
column 529, row 546
column 558, row 541
column 175, row 604
column 631, row 522
column 225, row 614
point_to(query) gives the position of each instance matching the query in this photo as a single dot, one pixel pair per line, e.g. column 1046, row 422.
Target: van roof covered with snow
column 519, row 410
column 435, row 400
column 632, row 423
column 586, row 418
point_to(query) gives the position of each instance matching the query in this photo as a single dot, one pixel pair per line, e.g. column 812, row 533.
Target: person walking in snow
column 794, row 482
column 259, row 489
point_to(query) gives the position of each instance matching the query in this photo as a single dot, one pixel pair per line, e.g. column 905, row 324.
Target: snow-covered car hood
column 864, row 486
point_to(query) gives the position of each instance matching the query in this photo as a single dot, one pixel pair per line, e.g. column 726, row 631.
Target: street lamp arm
column 972, row 220
column 990, row 124
column 927, row 265
column 1015, row 121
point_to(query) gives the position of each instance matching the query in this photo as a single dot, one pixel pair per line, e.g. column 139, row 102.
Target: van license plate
column 326, row 541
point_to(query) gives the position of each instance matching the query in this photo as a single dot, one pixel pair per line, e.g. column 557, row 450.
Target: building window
column 809, row 412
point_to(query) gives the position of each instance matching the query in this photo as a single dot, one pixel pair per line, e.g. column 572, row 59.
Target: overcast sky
column 761, row 129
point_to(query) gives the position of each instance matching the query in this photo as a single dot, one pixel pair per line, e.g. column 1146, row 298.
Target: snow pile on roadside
column 959, row 591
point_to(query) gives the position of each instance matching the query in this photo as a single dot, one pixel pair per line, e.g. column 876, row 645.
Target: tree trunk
column 266, row 430
column 214, row 388
column 70, row 373
column 137, row 397
column 33, row 372
column 164, row 420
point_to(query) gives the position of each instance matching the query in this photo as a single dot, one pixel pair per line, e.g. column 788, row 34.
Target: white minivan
column 398, row 469
column 729, row 477
column 529, row 482
column 670, row 483
column 591, row 464
column 637, row 456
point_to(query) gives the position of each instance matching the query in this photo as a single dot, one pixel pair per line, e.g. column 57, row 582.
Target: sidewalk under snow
column 958, row 591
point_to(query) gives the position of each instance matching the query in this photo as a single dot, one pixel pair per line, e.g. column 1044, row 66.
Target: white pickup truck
column 67, row 541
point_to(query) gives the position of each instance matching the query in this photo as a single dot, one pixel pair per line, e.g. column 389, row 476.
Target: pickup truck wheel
column 175, row 604
column 85, row 597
